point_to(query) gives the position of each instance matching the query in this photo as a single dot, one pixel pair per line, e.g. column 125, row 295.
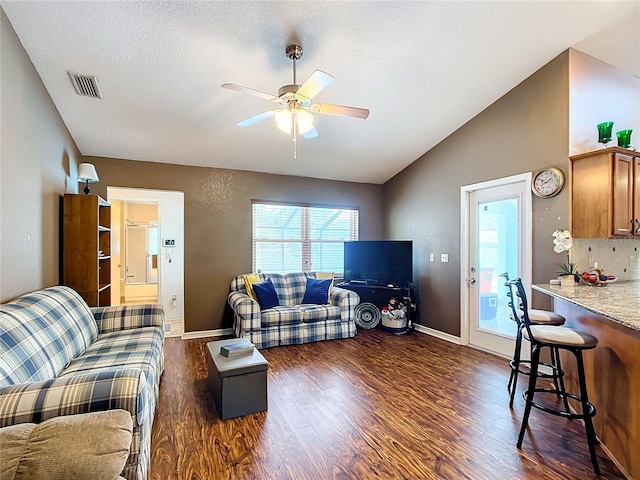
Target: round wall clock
column 548, row 182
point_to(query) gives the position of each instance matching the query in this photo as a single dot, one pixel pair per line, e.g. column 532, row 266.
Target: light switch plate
column 432, row 257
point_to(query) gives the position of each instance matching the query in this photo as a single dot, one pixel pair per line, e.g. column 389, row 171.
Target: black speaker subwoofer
column 367, row 315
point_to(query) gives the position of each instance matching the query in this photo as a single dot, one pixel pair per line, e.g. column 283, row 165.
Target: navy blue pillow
column 266, row 293
column 317, row 291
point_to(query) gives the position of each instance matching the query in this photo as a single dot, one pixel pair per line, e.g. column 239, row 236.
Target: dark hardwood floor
column 379, row 406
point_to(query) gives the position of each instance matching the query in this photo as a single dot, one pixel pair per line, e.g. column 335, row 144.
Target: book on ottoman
column 242, row 347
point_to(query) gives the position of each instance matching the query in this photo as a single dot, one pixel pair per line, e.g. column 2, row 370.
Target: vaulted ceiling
column 423, row 69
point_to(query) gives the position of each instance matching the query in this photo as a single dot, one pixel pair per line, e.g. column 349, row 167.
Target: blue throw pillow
column 317, row 291
column 266, row 293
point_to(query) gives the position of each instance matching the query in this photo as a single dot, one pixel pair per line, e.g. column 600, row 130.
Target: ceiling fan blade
column 310, row 133
column 256, row 118
column 316, row 82
column 330, row 109
column 250, row 91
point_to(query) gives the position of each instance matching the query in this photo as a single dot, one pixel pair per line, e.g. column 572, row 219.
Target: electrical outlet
column 432, row 257
column 444, row 258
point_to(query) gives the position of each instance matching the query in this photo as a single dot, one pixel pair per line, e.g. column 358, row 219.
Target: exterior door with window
column 499, row 241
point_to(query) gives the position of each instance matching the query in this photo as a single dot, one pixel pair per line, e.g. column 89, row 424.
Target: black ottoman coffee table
column 238, row 384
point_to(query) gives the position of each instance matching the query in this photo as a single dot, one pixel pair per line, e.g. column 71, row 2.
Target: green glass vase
column 624, row 138
column 604, row 132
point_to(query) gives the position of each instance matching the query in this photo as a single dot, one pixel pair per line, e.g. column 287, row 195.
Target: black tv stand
column 379, row 295
column 368, row 283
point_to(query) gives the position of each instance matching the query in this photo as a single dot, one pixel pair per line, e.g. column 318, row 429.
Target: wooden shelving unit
column 86, row 251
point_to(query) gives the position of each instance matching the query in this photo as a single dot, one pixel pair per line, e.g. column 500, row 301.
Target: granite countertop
column 619, row 301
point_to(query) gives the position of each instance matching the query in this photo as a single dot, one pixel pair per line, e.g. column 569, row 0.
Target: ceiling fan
column 296, row 101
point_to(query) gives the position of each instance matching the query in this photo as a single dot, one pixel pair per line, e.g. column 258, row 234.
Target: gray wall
column 38, row 164
column 525, row 130
column 218, row 220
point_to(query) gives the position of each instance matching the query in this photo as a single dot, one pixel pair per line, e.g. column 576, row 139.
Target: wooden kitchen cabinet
column 86, row 240
column 605, row 194
column 636, row 193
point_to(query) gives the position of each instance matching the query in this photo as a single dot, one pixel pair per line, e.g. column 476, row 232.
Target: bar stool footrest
column 561, row 413
column 556, row 372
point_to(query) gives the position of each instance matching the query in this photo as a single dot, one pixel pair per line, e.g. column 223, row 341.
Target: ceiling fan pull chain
column 294, row 128
column 295, row 149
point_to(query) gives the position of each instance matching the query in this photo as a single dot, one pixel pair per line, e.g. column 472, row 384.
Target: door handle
column 471, row 280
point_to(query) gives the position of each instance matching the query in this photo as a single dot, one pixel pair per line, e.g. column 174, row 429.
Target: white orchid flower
column 562, row 241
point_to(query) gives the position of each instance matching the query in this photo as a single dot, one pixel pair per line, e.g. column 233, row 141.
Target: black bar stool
column 563, row 338
column 537, row 317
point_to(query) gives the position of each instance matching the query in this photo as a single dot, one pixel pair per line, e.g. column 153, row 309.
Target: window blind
column 294, row 238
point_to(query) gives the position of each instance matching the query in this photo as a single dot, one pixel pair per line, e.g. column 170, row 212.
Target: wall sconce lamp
column 87, row 173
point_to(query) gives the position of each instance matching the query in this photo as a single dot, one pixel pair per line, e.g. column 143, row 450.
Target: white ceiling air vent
column 85, row 85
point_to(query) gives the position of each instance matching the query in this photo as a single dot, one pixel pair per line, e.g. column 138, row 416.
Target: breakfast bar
column 612, row 314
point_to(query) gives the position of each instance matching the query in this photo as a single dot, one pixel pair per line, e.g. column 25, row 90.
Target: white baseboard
column 490, row 352
column 220, row 332
column 437, row 333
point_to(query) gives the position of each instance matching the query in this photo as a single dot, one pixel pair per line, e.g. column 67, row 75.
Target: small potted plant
column 562, row 242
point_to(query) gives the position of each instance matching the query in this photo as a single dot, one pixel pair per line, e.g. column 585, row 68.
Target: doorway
column 164, row 270
column 141, row 247
column 496, row 239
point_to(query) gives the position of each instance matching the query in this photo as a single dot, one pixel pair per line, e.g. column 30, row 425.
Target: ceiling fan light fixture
column 305, row 121
column 283, row 118
column 297, row 102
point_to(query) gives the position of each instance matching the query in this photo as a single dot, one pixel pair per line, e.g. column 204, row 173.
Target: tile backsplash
column 619, row 257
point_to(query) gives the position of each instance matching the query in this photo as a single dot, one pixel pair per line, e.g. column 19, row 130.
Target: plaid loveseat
column 60, row 357
column 291, row 322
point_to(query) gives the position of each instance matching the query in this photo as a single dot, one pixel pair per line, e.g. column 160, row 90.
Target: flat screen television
column 379, row 262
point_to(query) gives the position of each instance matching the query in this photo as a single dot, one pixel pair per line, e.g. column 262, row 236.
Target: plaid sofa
column 291, row 322
column 60, row 357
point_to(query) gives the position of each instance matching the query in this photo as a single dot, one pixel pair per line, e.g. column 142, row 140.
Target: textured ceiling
column 422, row 68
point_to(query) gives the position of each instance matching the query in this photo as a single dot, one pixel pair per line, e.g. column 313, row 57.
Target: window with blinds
column 293, row 238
